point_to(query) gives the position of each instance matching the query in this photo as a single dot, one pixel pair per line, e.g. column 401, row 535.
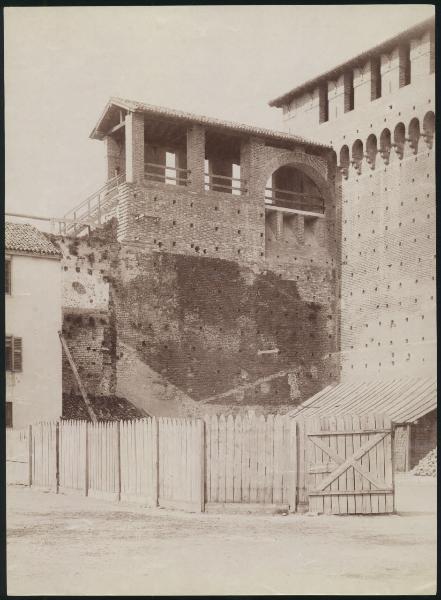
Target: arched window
column 414, row 134
column 429, row 128
column 291, row 188
column 371, row 150
column 357, row 154
column 385, row 145
column 399, row 139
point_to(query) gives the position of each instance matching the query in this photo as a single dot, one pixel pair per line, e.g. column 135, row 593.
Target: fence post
column 155, row 443
column 57, row 457
column 118, row 457
column 86, row 470
column 30, row 455
column 201, row 427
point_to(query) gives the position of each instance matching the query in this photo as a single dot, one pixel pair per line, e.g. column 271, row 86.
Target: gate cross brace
column 350, row 462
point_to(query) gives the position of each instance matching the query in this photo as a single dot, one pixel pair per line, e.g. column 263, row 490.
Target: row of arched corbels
column 387, row 143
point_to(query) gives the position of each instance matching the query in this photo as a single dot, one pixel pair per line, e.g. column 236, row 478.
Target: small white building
column 33, row 319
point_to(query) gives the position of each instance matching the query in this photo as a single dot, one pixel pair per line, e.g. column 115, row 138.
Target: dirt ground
column 69, row 545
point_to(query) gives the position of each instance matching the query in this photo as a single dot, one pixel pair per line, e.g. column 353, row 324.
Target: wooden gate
column 348, row 464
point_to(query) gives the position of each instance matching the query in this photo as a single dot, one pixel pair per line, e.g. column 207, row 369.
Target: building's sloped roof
column 403, row 400
column 106, row 408
column 354, row 62
column 179, row 115
column 22, row 237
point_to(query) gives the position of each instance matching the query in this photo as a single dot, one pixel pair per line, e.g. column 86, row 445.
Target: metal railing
column 294, row 200
column 212, row 184
column 93, row 209
column 164, row 174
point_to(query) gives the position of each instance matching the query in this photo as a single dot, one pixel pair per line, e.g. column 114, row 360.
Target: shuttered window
column 8, row 416
column 7, row 276
column 13, row 354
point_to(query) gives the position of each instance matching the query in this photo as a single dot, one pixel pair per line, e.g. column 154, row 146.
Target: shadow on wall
column 207, row 326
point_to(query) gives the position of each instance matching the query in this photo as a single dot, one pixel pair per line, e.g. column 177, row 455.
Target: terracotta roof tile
column 135, row 106
column 22, row 237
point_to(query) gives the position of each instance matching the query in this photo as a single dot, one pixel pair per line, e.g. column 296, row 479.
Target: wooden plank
column 302, row 492
column 389, row 467
column 310, row 458
column 320, row 458
column 358, row 484
column 373, row 466
column 229, row 460
column 207, row 458
column 324, row 425
column 214, row 458
column 245, row 466
column 254, row 444
column 277, row 458
column 155, row 460
column 366, row 502
column 285, row 461
column 342, row 479
column 261, row 459
column 346, row 432
column 202, row 446
column 350, row 473
column 237, row 473
column 77, row 377
column 86, row 458
column 293, row 465
column 350, row 492
column 269, row 455
column 222, row 458
column 118, row 459
column 380, row 463
column 327, row 481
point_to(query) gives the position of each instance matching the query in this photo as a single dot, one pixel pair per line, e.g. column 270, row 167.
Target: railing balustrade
column 212, row 184
column 162, row 173
column 93, row 208
column 294, row 200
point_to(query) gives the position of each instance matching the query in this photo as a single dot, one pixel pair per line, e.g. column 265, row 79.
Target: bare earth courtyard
column 69, row 545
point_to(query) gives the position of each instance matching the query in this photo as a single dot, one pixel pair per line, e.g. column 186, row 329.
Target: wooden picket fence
column 340, row 465
column 251, row 460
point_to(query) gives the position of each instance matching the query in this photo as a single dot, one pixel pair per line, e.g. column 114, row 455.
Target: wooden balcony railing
column 93, row 209
column 294, row 200
column 165, row 174
column 229, row 185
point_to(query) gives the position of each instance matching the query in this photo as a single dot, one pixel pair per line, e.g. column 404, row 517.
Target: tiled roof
column 22, row 237
column 106, row 408
column 135, row 106
column 403, row 400
column 353, row 62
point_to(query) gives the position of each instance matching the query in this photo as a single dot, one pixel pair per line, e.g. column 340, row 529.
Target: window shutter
column 18, row 360
column 8, row 353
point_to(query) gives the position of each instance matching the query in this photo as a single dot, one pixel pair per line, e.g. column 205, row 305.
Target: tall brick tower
column 377, row 112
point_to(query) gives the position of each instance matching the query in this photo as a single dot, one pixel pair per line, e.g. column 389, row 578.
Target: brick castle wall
column 388, row 290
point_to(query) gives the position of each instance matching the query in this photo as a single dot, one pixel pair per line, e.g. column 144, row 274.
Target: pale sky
column 63, row 63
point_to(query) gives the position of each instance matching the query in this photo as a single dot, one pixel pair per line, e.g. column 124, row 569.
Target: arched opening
column 385, row 145
column 344, row 161
column 429, row 128
column 357, row 154
column 414, row 134
column 290, row 188
column 399, row 139
column 371, row 150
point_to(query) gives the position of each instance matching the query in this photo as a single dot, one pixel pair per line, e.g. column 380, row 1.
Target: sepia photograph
column 220, row 300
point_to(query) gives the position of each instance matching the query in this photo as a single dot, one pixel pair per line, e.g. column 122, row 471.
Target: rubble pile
column 427, row 465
